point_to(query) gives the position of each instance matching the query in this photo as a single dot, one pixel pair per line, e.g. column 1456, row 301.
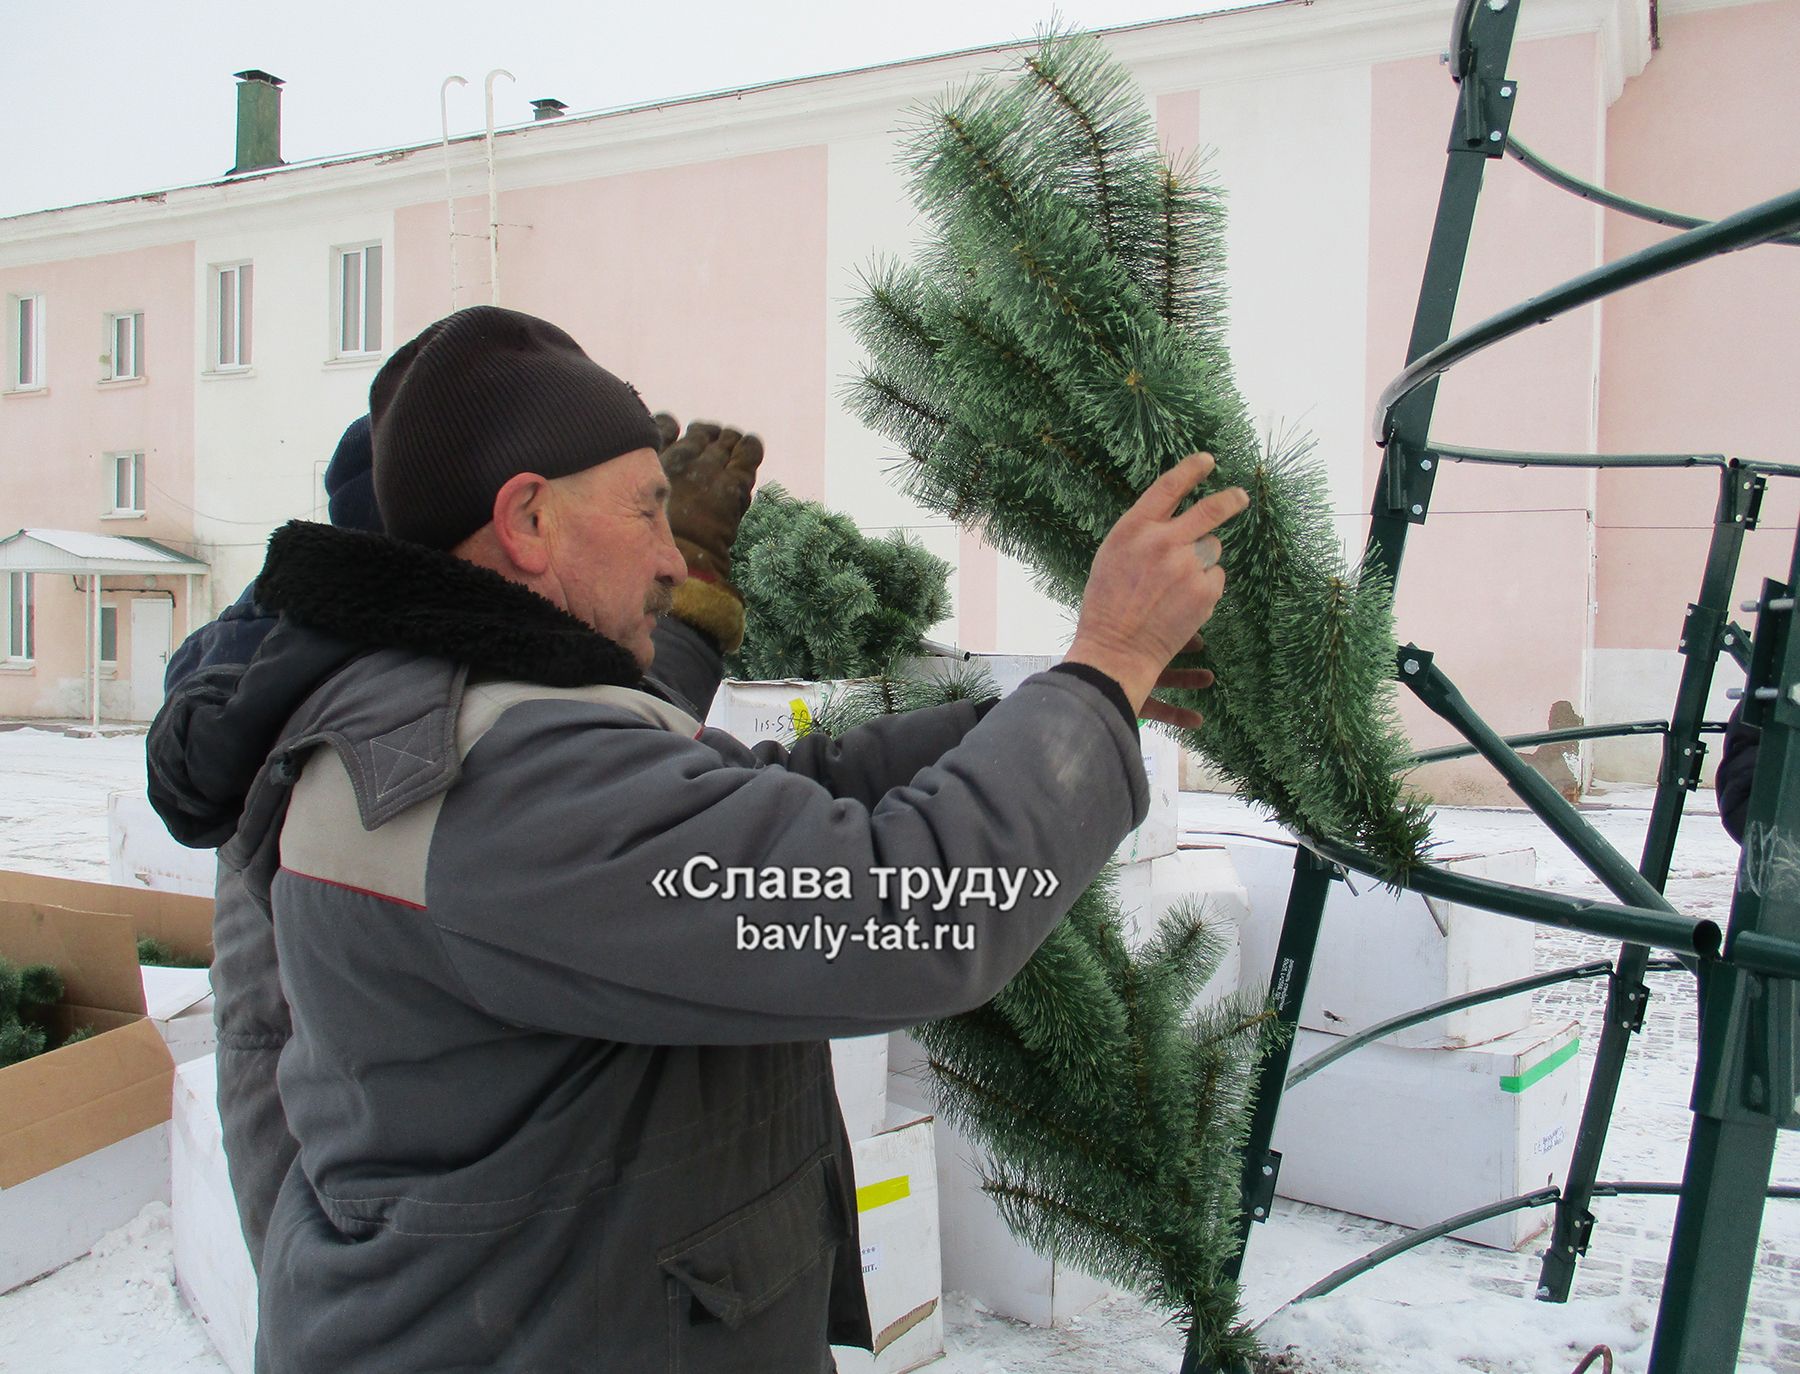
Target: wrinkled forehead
column 634, row 476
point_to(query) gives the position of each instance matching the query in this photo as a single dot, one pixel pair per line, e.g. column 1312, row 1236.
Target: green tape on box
column 1517, row 1083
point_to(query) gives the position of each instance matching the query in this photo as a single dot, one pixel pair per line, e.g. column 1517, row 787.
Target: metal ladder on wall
column 1749, row 972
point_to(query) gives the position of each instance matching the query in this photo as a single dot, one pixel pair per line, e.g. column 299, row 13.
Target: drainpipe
column 493, row 193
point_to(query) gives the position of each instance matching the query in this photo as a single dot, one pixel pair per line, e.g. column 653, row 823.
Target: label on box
column 871, row 1258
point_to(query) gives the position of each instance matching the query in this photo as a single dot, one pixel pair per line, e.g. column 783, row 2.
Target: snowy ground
column 1447, row 1306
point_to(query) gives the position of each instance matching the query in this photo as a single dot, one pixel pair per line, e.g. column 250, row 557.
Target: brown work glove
column 711, row 470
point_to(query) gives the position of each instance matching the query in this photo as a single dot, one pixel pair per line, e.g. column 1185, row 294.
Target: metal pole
column 94, row 652
column 493, row 192
column 1573, row 1224
column 1313, row 877
column 1749, row 1072
column 449, row 190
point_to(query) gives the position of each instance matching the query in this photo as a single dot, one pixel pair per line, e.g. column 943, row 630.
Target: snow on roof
column 76, row 551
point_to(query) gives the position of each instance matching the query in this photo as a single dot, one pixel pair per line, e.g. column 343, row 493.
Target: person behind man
column 234, row 635
column 557, row 1071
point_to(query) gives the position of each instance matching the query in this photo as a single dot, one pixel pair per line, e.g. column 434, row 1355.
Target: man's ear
column 521, row 524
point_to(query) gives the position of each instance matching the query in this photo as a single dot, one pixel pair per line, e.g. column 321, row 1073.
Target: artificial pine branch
column 823, row 600
column 1059, row 342
column 1111, row 1115
column 26, row 996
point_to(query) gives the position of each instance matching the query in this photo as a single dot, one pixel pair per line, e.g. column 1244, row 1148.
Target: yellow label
column 873, row 1195
column 802, row 716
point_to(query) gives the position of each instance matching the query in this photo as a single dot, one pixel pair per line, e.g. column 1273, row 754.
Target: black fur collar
column 381, row 592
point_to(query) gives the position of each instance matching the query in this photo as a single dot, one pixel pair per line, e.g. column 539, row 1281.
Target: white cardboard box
column 860, row 1066
column 981, row 1257
column 142, row 853
column 755, row 711
column 1416, row 1136
column 57, row 1216
column 212, row 1263
column 180, row 1002
column 897, row 1213
column 1162, row 826
column 1382, row 952
column 84, row 1127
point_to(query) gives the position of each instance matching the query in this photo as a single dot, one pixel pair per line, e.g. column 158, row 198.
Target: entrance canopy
column 94, row 556
column 78, row 554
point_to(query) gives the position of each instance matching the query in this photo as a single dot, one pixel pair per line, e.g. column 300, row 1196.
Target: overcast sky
column 110, row 98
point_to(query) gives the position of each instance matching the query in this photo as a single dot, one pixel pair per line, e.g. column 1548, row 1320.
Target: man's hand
column 1153, row 584
column 711, row 470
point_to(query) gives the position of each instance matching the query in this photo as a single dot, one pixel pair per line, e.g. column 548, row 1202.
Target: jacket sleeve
column 549, row 880
column 687, row 668
column 231, row 639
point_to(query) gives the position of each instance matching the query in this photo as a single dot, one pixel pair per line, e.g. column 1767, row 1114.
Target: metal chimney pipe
column 258, row 122
column 547, row 109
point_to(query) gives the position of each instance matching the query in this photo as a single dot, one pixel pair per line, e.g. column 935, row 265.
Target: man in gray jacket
column 559, row 962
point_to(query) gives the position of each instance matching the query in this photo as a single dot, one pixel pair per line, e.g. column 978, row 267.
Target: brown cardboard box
column 112, row 1090
column 181, row 921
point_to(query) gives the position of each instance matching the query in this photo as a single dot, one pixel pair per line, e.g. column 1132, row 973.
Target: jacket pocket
column 752, row 1290
column 747, row 1259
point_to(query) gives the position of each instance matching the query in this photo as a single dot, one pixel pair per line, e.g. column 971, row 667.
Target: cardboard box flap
column 95, row 953
column 170, row 991
column 180, row 920
column 81, row 1098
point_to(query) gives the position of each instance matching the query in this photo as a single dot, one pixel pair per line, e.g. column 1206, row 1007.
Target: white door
column 152, row 623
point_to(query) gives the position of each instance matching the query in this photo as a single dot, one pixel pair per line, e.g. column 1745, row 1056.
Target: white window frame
column 20, row 616
column 355, row 308
column 130, row 466
column 25, row 343
column 109, row 608
column 125, row 364
column 233, row 301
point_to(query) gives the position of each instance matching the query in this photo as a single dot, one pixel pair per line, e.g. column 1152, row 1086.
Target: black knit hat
column 479, row 397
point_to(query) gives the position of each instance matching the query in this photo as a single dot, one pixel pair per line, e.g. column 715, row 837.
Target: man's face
column 613, row 560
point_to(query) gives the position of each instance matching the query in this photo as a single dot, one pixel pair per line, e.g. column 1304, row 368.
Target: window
column 20, row 602
column 25, row 347
column 125, row 345
column 231, row 314
column 109, row 634
column 359, row 299
column 125, row 482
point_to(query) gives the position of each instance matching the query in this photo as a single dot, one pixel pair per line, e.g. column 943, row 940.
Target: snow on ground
column 1446, row 1306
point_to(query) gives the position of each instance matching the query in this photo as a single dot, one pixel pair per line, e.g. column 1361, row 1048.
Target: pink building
column 1543, row 595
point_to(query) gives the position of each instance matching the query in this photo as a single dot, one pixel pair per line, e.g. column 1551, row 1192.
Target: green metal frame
column 1749, row 971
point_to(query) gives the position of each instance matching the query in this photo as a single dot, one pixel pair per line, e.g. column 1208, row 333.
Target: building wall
column 264, row 433
column 54, row 444
column 706, row 251
column 1702, row 361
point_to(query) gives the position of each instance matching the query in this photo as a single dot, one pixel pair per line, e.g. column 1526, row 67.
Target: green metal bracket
column 1736, row 642
column 1407, row 479
column 1484, row 116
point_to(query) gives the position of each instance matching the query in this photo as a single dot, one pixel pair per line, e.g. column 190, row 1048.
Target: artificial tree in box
column 26, row 996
